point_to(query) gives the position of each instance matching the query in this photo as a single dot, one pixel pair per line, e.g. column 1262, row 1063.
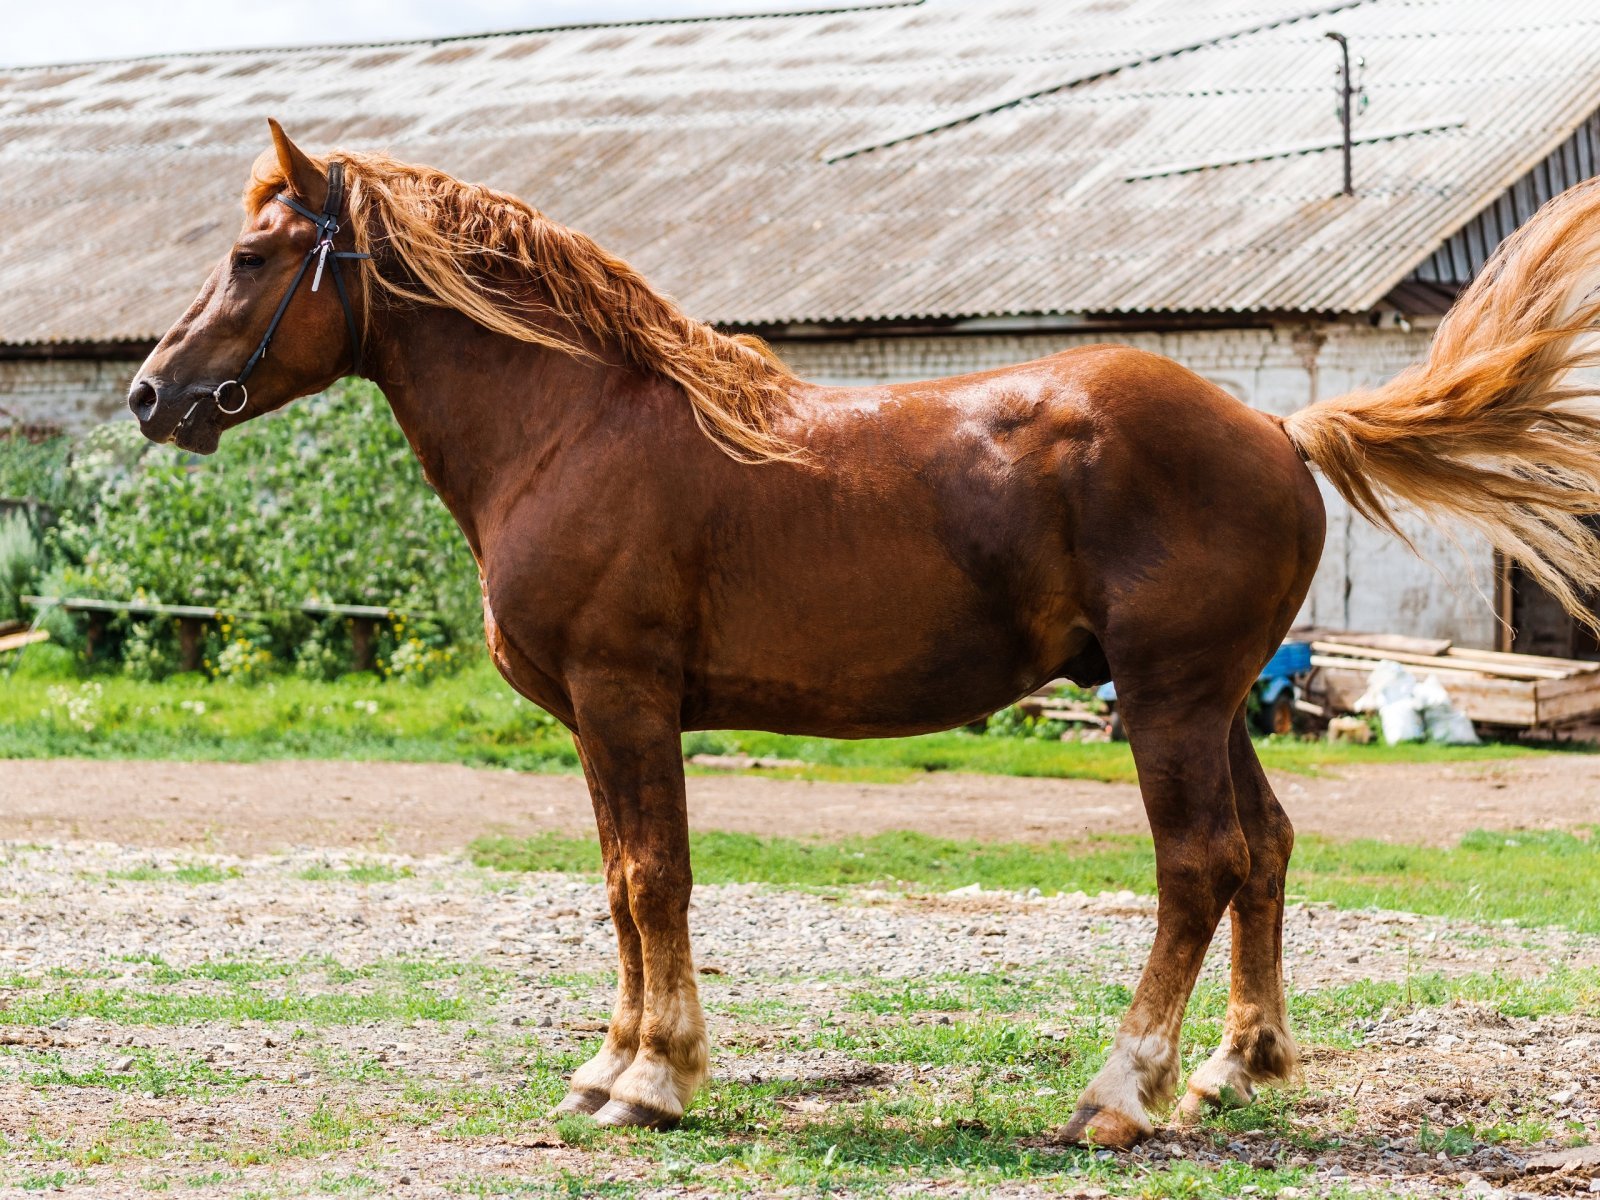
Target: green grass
column 327, row 1129
column 188, row 873
column 366, row 872
column 46, row 711
column 958, row 750
column 471, row 717
column 1531, row 878
column 160, row 1008
column 1328, row 1016
column 157, row 1075
column 149, row 1138
column 992, row 1083
column 964, row 1107
column 1550, row 878
column 312, row 992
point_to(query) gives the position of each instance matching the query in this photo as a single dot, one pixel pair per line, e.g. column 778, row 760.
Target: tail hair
column 1493, row 429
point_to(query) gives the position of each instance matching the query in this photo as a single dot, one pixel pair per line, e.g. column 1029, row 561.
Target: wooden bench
column 363, row 620
column 192, row 619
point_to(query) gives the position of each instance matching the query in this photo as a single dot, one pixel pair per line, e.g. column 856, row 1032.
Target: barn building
column 888, row 192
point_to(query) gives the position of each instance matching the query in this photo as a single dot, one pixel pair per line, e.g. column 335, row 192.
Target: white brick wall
column 1369, row 579
column 73, row 393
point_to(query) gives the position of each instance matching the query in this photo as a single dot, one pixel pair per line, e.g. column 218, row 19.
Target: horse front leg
column 1201, row 860
column 635, row 759
column 590, row 1089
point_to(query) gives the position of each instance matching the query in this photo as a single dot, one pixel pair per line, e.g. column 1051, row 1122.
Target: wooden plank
column 1077, row 715
column 1439, row 662
column 95, row 604
column 1571, row 686
column 16, row 641
column 1446, row 674
column 1495, row 707
column 1048, row 691
column 1341, row 688
column 1481, row 697
column 1504, row 603
column 1399, row 643
column 1570, row 666
column 375, row 611
column 1573, row 705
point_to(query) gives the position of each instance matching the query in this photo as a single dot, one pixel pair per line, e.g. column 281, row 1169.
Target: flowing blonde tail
column 1490, row 430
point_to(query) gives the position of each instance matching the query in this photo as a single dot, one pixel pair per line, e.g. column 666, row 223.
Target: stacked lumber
column 1492, row 687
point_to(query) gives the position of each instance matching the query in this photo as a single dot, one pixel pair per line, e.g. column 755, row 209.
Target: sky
column 79, row 30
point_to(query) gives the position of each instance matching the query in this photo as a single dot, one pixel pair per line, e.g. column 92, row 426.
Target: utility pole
column 1347, row 89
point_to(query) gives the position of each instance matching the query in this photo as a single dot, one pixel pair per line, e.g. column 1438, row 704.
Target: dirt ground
column 101, row 1100
column 117, row 1100
column 423, row 808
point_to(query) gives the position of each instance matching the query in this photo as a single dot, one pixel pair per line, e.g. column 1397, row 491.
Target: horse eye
column 243, row 259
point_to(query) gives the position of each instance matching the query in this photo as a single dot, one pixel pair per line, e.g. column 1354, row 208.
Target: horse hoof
column 1197, row 1102
column 581, row 1100
column 1192, row 1108
column 623, row 1115
column 1104, row 1129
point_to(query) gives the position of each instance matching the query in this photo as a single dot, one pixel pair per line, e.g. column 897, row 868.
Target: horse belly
column 852, row 664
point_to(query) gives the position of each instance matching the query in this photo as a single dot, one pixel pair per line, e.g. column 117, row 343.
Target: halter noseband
column 327, row 223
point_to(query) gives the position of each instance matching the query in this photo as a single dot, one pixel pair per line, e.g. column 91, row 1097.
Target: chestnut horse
column 673, row 532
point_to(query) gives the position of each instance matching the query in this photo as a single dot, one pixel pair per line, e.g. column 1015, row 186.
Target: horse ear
column 306, row 180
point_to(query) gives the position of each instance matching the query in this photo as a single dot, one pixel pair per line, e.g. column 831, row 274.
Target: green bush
column 1014, row 723
column 323, row 502
column 21, row 563
column 34, row 470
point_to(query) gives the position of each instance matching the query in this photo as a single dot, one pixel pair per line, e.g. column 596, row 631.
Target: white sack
column 1412, row 712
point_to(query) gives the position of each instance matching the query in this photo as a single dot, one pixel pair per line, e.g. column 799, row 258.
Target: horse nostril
column 142, row 399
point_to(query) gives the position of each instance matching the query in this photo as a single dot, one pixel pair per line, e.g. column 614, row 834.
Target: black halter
column 327, row 223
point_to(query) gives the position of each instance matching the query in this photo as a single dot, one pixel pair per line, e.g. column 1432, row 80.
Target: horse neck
column 484, row 412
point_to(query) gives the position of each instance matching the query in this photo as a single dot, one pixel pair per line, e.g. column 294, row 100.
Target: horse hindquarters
column 1202, row 579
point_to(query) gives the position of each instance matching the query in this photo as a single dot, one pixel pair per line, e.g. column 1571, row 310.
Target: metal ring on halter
column 222, row 390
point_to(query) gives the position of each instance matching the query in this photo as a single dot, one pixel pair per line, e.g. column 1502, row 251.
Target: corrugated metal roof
column 779, row 169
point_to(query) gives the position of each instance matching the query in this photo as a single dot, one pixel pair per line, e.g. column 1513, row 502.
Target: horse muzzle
column 187, row 418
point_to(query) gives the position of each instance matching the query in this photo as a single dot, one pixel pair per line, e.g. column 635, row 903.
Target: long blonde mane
column 505, row 265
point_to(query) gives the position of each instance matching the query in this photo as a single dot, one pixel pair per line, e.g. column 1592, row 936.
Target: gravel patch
column 63, row 906
column 546, row 940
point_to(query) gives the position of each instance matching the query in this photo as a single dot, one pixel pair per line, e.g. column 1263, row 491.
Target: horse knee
column 1271, row 839
column 658, row 889
column 1230, row 864
column 1200, row 875
column 1278, row 830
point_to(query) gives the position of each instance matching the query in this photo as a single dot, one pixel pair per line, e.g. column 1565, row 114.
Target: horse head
column 266, row 327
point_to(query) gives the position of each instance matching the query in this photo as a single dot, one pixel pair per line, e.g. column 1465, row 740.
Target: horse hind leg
column 1256, row 1044
column 1202, row 857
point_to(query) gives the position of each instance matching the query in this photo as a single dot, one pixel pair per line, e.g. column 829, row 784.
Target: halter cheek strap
column 324, row 255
